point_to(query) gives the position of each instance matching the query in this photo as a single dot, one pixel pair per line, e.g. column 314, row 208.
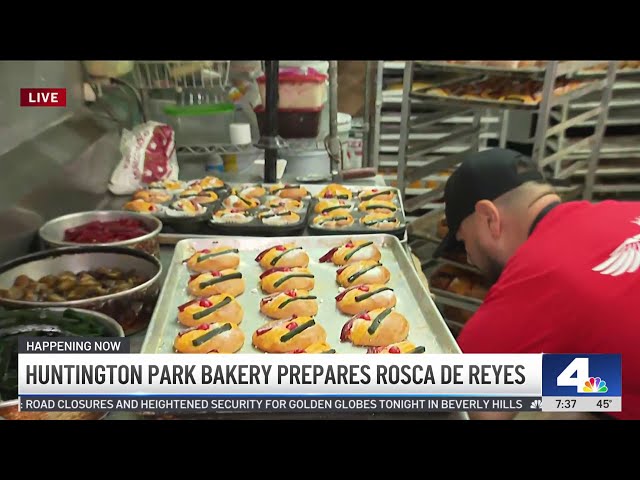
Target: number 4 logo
column 577, row 375
column 579, row 367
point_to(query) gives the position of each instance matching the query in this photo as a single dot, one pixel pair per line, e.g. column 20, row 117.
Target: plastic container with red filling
column 298, row 88
column 293, row 123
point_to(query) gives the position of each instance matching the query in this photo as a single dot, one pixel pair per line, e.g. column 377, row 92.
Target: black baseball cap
column 484, row 175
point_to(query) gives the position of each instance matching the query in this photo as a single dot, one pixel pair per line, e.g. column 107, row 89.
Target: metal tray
column 357, row 228
column 423, row 95
column 564, row 68
column 427, row 327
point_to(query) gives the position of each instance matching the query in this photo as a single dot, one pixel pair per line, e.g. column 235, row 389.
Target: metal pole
column 271, row 117
column 599, row 131
column 374, row 151
column 405, row 114
column 540, row 142
column 366, row 124
column 332, row 142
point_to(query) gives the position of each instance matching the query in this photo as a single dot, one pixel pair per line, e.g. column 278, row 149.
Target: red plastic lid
column 298, row 75
column 260, row 109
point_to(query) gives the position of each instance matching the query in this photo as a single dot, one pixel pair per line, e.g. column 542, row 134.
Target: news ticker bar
column 582, row 404
column 271, row 404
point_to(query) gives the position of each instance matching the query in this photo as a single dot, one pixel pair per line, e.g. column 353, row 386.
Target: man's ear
column 488, row 214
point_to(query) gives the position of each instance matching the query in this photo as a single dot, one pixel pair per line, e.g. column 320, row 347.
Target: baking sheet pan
column 427, row 327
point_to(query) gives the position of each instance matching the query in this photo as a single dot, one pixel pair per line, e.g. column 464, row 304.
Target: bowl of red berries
column 103, row 227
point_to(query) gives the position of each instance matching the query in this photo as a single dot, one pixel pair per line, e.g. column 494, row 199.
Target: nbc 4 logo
column 536, row 404
column 577, row 375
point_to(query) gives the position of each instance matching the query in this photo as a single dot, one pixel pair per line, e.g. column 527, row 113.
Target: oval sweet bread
column 333, row 221
column 377, row 194
column 153, row 196
column 232, row 215
column 280, row 279
column 216, row 308
column 204, row 197
column 400, row 347
column 378, row 206
column 252, row 191
column 237, row 202
column 142, row 206
column 210, row 338
column 214, row 259
column 333, row 207
column 287, row 255
column 362, row 273
column 284, row 204
column 380, row 221
column 377, row 328
column 214, row 283
column 335, row 190
column 351, row 252
column 172, row 185
column 279, row 218
column 296, row 192
column 288, row 335
column 319, row 347
column 208, row 182
column 289, row 303
column 363, row 298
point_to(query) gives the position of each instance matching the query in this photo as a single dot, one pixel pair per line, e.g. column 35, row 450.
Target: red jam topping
column 364, row 316
column 205, row 303
column 263, row 330
column 273, row 270
column 291, row 293
column 291, row 326
column 394, row 349
column 204, row 326
column 281, row 248
column 349, row 244
column 216, row 274
column 363, row 288
column 328, row 256
column 298, row 350
column 185, row 305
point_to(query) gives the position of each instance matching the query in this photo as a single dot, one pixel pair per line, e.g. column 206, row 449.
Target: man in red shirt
column 566, row 275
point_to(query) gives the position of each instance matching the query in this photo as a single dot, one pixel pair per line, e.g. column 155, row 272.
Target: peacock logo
column 595, row 385
column 536, row 404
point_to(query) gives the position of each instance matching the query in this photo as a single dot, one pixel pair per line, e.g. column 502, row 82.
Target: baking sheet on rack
column 427, row 327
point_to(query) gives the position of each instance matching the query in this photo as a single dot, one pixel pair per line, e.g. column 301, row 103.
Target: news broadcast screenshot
column 311, row 239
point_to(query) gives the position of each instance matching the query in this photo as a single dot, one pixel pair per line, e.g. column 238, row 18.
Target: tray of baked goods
column 314, row 294
column 512, row 68
column 458, row 287
column 346, row 210
column 502, row 92
column 209, row 206
column 624, row 67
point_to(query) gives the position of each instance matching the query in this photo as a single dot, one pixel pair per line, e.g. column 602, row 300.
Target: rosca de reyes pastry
column 252, row 191
column 320, row 347
column 210, row 338
column 333, row 221
column 280, row 279
column 287, row 255
column 351, row 252
column 279, row 218
column 208, row 183
column 173, row 185
column 289, row 303
column 378, row 206
column 153, row 196
column 362, row 273
column 333, row 207
column 283, row 204
column 296, row 192
column 214, row 283
column 335, row 190
column 142, row 206
column 216, row 308
column 185, row 208
column 214, row 259
column 377, row 194
column 238, row 202
column 204, row 197
column 380, row 221
column 377, row 328
column 285, row 336
column 400, row 347
column 363, row 298
column 231, row 215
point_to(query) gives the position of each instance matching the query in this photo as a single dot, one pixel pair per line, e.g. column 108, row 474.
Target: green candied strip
column 334, row 219
column 418, row 350
column 360, row 247
column 381, row 220
column 289, row 300
column 280, row 281
column 210, row 310
column 335, row 207
column 362, row 272
column 211, row 255
column 364, row 296
column 278, row 257
column 377, row 321
column 299, row 329
column 386, row 207
column 209, row 335
column 330, row 351
column 223, row 278
column 373, row 195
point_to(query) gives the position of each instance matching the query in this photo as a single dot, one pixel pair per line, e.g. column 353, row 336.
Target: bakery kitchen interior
column 368, row 126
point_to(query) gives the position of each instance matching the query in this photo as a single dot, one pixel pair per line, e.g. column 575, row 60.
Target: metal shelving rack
column 559, row 163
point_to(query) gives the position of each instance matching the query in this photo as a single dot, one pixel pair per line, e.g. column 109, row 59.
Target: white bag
column 148, row 155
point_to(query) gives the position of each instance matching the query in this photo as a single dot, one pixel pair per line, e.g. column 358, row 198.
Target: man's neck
column 539, row 204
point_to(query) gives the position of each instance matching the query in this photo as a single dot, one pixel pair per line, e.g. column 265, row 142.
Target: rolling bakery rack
column 472, row 89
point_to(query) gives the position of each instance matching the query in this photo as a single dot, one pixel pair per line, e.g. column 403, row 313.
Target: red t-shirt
column 550, row 299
